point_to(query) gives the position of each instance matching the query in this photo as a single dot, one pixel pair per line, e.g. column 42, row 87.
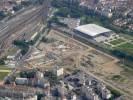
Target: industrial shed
column 93, row 31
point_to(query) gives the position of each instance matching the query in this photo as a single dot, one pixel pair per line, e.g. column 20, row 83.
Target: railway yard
column 19, row 27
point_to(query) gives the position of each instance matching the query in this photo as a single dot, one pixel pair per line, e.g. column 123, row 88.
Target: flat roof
column 92, row 29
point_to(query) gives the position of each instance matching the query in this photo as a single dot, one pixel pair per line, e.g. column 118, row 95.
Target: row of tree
column 23, row 45
column 122, row 55
column 67, row 8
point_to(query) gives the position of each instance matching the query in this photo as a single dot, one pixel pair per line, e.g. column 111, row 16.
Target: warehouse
column 93, row 31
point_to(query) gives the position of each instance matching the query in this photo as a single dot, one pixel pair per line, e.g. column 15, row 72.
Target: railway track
column 19, row 25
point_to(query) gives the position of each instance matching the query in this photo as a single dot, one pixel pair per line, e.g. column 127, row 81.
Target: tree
column 119, row 53
column 39, row 96
column 16, row 8
column 63, row 12
column 53, row 79
column 56, row 3
column 27, row 74
column 26, row 3
column 23, row 45
column 2, row 62
column 2, row 15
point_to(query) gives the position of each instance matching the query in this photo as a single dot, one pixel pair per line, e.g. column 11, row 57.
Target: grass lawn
column 3, row 75
column 118, row 41
column 127, row 47
column 4, row 71
column 3, row 67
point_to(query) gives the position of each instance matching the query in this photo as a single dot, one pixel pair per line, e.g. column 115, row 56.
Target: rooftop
column 92, row 29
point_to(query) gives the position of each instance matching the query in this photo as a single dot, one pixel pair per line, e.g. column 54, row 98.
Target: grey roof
column 92, row 29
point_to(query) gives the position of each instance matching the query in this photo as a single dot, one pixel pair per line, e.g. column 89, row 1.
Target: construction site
column 58, row 49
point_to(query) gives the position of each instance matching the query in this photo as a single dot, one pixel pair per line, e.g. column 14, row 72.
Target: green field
column 118, row 41
column 4, row 71
column 3, row 75
column 127, row 47
column 89, row 19
column 3, row 67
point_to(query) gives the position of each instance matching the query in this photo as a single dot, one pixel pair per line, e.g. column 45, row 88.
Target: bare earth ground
column 98, row 63
column 108, row 67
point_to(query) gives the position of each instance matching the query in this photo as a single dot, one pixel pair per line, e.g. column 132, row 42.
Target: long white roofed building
column 93, row 31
